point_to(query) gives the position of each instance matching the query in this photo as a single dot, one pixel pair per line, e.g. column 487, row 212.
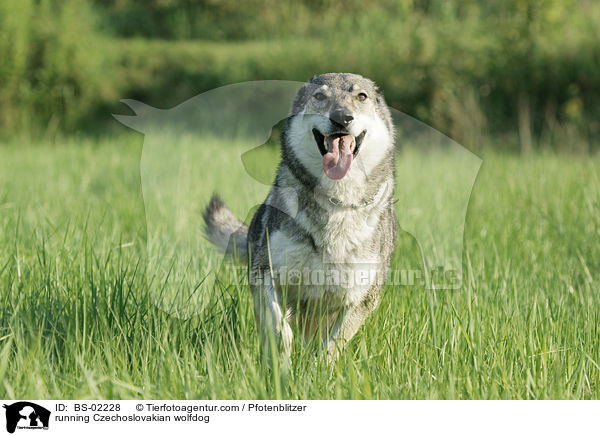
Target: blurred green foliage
column 468, row 68
column 50, row 68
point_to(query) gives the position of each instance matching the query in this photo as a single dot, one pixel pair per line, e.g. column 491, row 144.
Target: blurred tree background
column 513, row 74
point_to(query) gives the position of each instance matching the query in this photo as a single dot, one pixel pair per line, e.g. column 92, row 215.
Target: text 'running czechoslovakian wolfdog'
column 323, row 265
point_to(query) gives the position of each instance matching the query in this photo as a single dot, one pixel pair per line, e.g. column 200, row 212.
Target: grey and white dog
column 320, row 245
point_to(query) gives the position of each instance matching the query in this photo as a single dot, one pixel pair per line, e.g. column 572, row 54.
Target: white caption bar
column 23, row 417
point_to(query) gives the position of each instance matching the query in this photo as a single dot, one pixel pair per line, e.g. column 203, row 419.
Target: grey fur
column 341, row 222
column 225, row 230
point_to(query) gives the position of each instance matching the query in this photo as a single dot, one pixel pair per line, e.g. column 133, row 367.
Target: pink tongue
column 338, row 159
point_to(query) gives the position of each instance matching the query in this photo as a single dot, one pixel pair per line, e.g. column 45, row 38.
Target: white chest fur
column 344, row 265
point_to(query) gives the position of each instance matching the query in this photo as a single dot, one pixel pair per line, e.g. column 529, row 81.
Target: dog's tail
column 225, row 230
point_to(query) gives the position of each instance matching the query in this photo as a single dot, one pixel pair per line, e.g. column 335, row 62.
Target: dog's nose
column 341, row 117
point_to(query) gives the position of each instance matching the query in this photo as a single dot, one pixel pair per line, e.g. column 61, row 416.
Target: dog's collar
column 338, row 203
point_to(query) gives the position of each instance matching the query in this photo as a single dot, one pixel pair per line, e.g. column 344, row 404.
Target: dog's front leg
column 346, row 325
column 270, row 318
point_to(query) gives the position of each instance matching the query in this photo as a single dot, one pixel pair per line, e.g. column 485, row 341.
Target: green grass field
column 77, row 319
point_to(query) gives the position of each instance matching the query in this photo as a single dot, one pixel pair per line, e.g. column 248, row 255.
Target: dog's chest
column 342, row 263
column 346, row 236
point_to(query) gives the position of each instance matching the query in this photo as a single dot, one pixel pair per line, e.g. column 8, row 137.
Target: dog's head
column 339, row 126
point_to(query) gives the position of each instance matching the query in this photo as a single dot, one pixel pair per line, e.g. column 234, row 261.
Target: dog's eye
column 361, row 96
column 319, row 96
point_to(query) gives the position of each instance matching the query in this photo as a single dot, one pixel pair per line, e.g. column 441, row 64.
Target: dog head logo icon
column 229, row 132
column 26, row 415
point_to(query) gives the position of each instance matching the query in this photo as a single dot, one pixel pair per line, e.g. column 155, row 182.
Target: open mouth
column 338, row 150
column 323, row 146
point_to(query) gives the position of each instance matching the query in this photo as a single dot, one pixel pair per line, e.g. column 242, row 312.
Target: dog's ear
column 144, row 115
column 301, row 97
